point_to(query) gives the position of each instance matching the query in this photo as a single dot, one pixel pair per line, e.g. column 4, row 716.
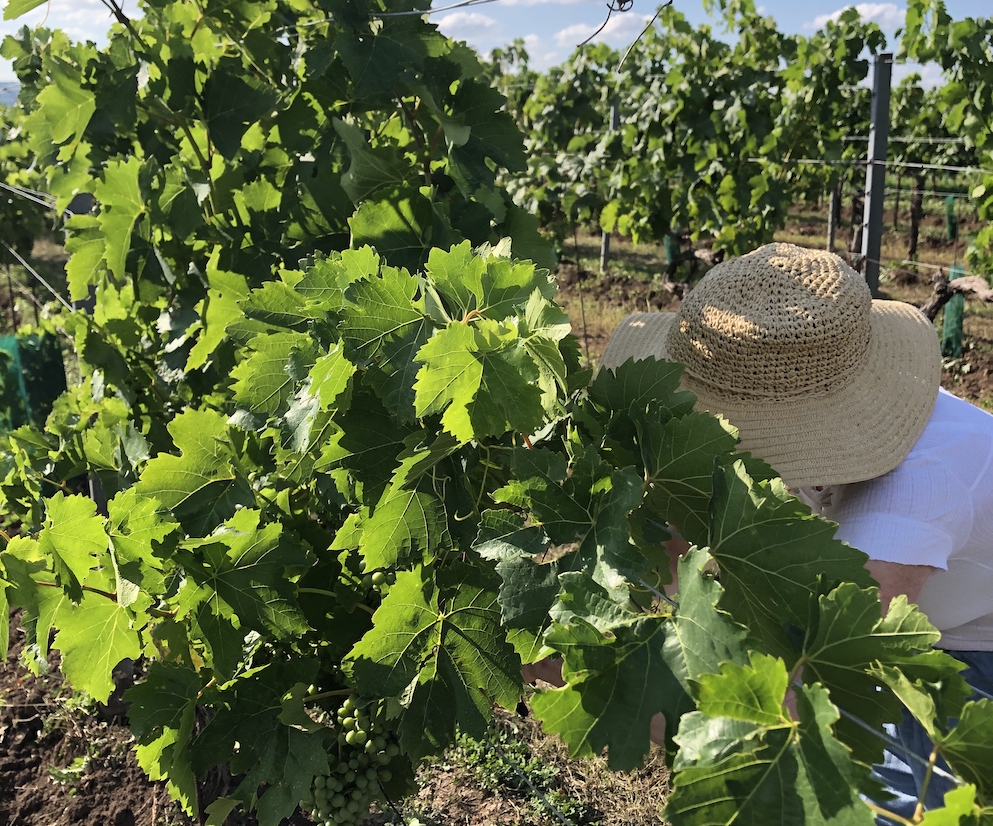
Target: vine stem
column 92, row 590
column 879, row 810
column 324, row 593
column 340, row 692
column 928, row 774
column 5, row 535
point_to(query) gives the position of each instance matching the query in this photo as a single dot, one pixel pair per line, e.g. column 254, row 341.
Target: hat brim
column 853, row 432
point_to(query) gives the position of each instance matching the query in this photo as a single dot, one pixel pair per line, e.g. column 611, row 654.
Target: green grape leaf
column 245, row 568
column 636, row 384
column 399, row 227
column 15, row 8
column 331, row 376
column 529, row 588
column 371, row 170
column 960, row 809
column 589, row 505
column 442, row 651
column 482, row 378
column 968, row 747
column 75, row 539
column 616, row 679
column 202, row 486
column 280, row 305
column 702, row 636
column 798, row 771
column 232, row 101
column 377, row 310
column 247, row 734
column 219, row 309
column 138, row 527
column 376, row 63
column 493, row 137
column 93, row 637
column 64, row 103
column 679, row 457
column 775, row 557
column 121, row 204
column 849, row 639
column 87, row 247
column 405, row 526
column 277, row 362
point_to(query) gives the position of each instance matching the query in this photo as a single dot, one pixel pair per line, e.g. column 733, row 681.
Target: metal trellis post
column 875, row 174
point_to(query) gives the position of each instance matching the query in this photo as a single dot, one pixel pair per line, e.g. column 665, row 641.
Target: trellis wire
column 34, row 272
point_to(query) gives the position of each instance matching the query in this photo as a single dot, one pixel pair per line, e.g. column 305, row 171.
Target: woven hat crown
column 779, row 322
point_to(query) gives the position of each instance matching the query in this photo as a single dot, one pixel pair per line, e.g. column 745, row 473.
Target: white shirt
column 935, row 508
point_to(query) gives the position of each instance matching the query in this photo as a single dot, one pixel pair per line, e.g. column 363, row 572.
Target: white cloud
column 888, row 16
column 547, row 2
column 463, row 25
column 80, row 19
column 930, row 73
column 620, row 30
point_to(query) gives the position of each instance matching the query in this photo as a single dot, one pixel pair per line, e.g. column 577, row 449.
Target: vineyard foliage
column 709, row 127
column 355, row 472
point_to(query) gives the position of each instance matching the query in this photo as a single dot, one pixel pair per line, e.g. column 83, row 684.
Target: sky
column 551, row 29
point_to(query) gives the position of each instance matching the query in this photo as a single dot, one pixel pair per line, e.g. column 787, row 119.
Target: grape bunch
column 366, row 746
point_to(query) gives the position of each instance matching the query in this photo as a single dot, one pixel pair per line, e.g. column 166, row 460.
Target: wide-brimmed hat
column 826, row 384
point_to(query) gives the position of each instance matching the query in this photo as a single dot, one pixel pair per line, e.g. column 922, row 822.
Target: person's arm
column 895, row 578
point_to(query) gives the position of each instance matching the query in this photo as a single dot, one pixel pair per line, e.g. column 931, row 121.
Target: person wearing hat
column 840, row 394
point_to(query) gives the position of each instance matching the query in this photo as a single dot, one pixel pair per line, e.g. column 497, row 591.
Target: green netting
column 32, row 376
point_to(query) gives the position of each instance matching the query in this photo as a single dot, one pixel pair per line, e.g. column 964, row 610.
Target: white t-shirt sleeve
column 918, row 514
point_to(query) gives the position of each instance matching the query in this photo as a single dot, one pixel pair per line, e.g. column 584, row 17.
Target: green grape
column 392, row 749
column 360, row 737
column 350, row 776
column 361, row 781
column 350, row 738
column 338, row 801
column 353, row 764
column 320, row 781
column 367, row 582
column 379, row 579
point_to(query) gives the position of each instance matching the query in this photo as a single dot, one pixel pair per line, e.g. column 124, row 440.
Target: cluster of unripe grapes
column 366, row 746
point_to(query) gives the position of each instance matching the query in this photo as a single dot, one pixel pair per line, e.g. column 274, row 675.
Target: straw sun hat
column 823, row 382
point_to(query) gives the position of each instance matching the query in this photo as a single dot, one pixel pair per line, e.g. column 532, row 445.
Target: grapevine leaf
column 75, row 539
column 637, row 384
column 482, row 378
column 774, row 556
column 162, row 715
column 796, row 770
column 529, row 588
column 399, row 227
column 121, row 204
column 246, row 567
column 201, row 487
column 702, row 635
column 850, row 637
column 278, row 362
column 137, row 529
column 378, row 310
column 15, row 8
column 405, row 525
column 968, row 747
column 751, row 693
column 590, row 505
column 443, row 651
column 616, row 679
column 86, row 245
column 377, row 63
column 232, row 102
column 960, row 809
column 679, row 458
column 371, row 170
column 281, row 306
column 246, row 732
column 493, row 137
column 94, row 636
column 220, row 308
column 64, row 103
column 331, row 376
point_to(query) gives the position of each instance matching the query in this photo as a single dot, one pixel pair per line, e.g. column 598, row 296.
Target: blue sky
column 551, row 28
